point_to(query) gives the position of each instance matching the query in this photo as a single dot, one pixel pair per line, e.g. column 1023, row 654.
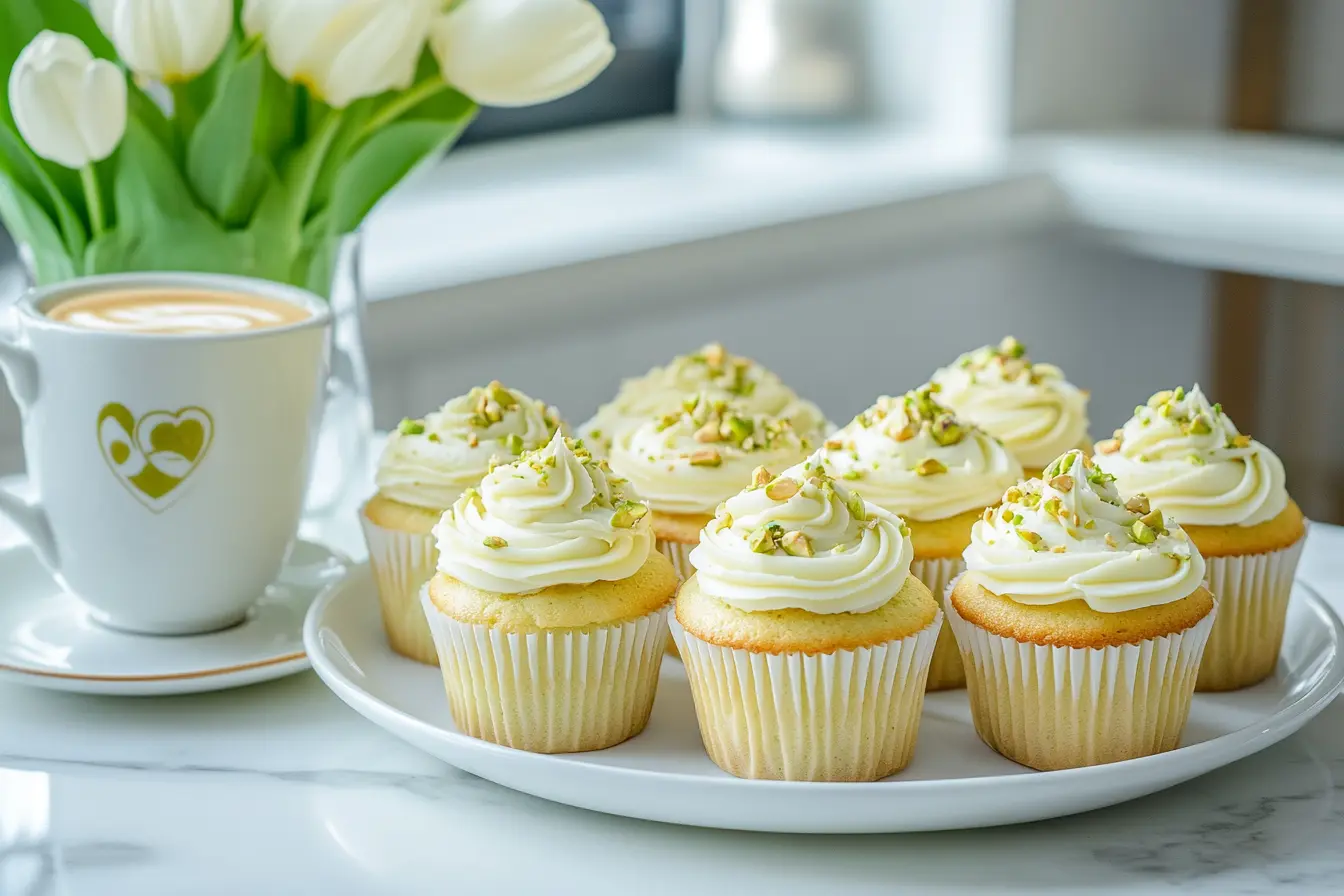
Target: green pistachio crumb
column 409, row 427
column 494, row 542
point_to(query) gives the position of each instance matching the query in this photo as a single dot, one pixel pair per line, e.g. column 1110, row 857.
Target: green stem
column 184, row 116
column 398, row 107
column 89, row 180
column 307, row 176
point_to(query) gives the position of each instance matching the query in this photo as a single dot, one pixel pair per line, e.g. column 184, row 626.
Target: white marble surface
column 279, row 788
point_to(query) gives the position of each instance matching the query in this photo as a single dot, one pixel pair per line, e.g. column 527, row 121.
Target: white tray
column 955, row 781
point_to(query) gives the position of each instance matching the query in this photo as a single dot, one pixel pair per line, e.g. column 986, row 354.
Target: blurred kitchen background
column 1147, row 192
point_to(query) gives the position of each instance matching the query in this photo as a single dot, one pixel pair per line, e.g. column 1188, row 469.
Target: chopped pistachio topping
column 1108, row 446
column 761, row 540
column 1138, row 504
column 1031, row 538
column 1062, row 483
column 1141, row 533
column 706, row 457
column 796, row 544
column 1110, row 541
column 628, row 513
column 494, row 542
column 761, row 476
column 782, row 489
column 854, row 502
column 409, row 427
column 930, row 466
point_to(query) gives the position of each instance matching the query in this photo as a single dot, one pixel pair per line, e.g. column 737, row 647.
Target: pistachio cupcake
column 687, row 462
column 806, row 640
column 1031, row 407
column 912, row 457
column 549, row 607
column 424, row 468
column 1228, row 492
column 1081, row 622
column 711, row 370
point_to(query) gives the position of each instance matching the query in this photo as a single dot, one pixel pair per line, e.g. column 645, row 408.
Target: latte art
column 175, row 312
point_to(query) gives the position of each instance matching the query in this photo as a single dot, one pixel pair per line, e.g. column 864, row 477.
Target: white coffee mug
column 169, row 468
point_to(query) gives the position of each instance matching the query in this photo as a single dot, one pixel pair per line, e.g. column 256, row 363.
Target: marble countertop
column 280, row 788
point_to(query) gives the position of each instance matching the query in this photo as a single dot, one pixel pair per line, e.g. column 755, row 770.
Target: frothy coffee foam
column 175, row 311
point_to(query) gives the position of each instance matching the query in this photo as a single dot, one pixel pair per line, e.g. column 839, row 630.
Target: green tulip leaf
column 31, row 227
column 385, row 159
column 222, row 163
column 33, row 178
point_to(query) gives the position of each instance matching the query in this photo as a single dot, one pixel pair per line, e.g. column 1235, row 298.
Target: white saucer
column 47, row 639
column 955, row 781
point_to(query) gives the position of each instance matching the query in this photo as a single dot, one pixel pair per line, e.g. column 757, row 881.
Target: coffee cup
column 168, row 425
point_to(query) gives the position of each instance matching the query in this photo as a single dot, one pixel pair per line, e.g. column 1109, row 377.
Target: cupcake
column 1031, row 407
column 1227, row 490
column 806, row 640
column 424, row 468
column 711, row 370
column 1081, row 622
column 687, row 462
column 911, row 457
column 549, row 607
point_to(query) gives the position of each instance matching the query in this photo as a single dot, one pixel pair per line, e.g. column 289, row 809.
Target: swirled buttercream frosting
column 1187, row 456
column 712, row 370
column 1069, row 536
column 912, row 456
column 429, row 463
column 554, row 516
column 690, row 460
column 1029, row 406
column 801, row 540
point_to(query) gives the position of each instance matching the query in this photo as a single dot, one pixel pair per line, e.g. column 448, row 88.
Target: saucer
column 47, row 639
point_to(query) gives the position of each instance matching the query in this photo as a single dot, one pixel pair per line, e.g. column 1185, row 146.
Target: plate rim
column 255, row 672
column 1230, row 747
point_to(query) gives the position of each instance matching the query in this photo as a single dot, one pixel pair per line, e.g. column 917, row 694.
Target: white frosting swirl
column 692, row 460
column 1035, row 411
column 711, row 370
column 429, row 463
column 552, row 517
column 1069, row 537
column 911, row 456
column 1188, row 458
column 804, row 542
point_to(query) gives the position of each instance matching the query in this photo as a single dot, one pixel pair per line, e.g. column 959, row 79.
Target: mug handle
column 20, row 369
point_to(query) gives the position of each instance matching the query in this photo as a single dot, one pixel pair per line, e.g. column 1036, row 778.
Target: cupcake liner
column 401, row 563
column 550, row 692
column 1252, row 593
column 1065, row 707
column 851, row 715
column 680, row 555
column 945, row 670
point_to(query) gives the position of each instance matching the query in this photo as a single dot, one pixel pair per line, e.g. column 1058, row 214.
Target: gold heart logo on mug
column 153, row 455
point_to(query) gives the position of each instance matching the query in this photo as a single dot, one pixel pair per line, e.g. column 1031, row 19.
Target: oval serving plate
column 954, row 781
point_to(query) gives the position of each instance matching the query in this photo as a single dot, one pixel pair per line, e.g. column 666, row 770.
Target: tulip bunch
column 248, row 137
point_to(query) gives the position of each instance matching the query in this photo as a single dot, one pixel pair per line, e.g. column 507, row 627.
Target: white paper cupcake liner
column 1252, row 593
column 550, row 692
column 1064, row 707
column 401, row 563
column 945, row 670
column 680, row 555
column 851, row 715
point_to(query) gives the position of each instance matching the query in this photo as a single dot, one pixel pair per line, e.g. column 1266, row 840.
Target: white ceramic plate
column 47, row 639
column 955, row 781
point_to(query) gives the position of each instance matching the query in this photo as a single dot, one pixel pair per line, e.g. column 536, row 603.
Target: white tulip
column 342, row 49
column 69, row 107
column 171, row 40
column 521, row 52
